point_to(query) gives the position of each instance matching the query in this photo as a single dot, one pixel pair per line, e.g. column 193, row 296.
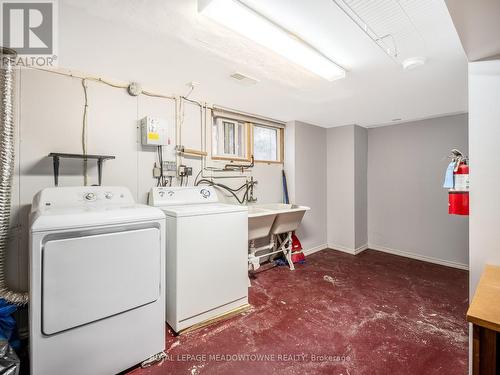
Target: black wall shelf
column 56, row 156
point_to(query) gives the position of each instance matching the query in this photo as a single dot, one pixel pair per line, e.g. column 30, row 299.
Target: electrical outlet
column 182, row 170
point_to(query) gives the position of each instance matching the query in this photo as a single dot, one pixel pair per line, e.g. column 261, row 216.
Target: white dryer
column 97, row 281
column 207, row 250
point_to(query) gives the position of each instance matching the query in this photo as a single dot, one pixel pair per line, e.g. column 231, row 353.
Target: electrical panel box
column 157, row 132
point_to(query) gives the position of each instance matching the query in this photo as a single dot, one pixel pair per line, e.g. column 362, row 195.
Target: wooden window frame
column 249, row 145
column 248, row 150
column 280, row 142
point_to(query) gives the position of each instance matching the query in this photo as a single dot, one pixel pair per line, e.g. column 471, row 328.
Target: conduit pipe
column 7, row 83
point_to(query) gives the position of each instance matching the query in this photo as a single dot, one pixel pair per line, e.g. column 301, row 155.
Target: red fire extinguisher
column 458, row 196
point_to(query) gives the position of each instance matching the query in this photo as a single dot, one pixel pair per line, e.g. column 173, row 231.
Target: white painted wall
column 306, row 171
column 407, row 206
column 50, row 109
column 484, row 135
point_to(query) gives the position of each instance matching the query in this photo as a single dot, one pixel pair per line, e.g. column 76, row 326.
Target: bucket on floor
column 297, row 255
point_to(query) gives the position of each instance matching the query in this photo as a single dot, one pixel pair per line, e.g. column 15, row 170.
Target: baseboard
column 315, row 249
column 348, row 250
column 424, row 258
column 360, row 249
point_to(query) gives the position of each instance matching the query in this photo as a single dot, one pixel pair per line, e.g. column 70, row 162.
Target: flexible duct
column 7, row 82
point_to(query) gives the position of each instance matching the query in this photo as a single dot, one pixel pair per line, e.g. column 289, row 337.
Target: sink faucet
column 251, row 198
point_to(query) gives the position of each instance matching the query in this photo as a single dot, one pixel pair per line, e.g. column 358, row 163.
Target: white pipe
column 178, row 157
column 270, row 245
column 268, row 254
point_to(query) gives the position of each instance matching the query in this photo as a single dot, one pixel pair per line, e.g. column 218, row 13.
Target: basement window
column 267, row 144
column 238, row 140
column 230, row 140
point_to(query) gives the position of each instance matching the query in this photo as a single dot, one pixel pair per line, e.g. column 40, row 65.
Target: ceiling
column 478, row 25
column 178, row 45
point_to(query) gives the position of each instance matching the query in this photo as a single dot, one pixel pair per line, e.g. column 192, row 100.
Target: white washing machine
column 206, row 269
column 97, row 266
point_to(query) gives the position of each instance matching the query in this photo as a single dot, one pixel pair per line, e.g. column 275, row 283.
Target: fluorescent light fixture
column 245, row 21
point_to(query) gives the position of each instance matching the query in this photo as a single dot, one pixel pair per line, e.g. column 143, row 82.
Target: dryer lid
column 202, row 209
column 81, row 217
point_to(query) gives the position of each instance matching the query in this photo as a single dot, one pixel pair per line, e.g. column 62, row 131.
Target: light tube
column 245, row 21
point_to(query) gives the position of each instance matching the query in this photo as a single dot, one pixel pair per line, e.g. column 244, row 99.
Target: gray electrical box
column 169, row 168
column 156, row 132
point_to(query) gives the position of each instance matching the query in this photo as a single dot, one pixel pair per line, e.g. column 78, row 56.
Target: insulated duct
column 7, row 82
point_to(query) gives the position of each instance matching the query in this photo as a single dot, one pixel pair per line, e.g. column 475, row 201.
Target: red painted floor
column 373, row 313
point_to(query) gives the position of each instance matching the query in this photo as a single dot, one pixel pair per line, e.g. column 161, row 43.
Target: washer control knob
column 205, row 193
column 108, row 195
column 90, row 197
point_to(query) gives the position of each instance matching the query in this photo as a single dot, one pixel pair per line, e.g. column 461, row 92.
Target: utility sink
column 273, row 218
column 260, row 222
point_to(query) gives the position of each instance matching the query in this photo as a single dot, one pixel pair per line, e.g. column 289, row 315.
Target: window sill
column 268, row 162
column 228, row 158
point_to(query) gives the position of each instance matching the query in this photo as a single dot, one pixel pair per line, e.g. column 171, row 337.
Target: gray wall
column 360, row 187
column 484, row 131
column 407, row 206
column 347, row 188
column 306, row 168
column 341, row 192
column 289, row 162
